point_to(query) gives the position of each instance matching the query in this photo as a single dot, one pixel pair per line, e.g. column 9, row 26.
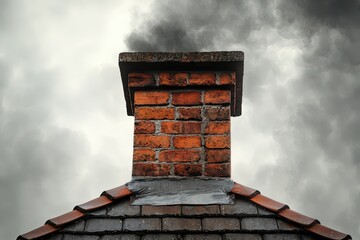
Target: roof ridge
column 284, row 211
column 54, row 224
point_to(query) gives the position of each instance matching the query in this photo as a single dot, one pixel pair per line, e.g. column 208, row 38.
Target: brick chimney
column 182, row 103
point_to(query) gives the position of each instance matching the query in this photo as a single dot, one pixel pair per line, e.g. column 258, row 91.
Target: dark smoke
column 317, row 120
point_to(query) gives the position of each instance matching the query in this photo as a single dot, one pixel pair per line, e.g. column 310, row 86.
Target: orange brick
column 150, row 169
column 151, row 98
column 217, row 170
column 186, row 113
column 144, row 154
column 173, row 79
column 141, row 79
column 144, row 127
column 179, row 156
column 217, row 113
column 186, row 98
column 217, row 97
column 154, row 113
column 227, row 78
column 217, row 127
column 187, row 142
column 218, row 155
column 180, row 127
column 188, row 169
column 202, row 79
column 217, row 142
column 151, row 141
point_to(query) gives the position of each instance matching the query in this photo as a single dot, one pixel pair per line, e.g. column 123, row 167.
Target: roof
column 253, row 216
column 130, row 62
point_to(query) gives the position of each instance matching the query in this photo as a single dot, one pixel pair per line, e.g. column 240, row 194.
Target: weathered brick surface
column 240, row 207
column 141, row 80
column 227, row 78
column 151, row 97
column 179, row 127
column 187, row 141
column 217, row 113
column 151, row 141
column 150, row 169
column 217, row 155
column 222, row 127
column 142, row 224
column 179, row 155
column 181, row 224
column 144, row 154
column 189, row 113
column 188, row 169
column 202, row 237
column 123, row 209
column 148, row 210
column 217, row 170
column 242, row 236
column 173, row 79
column 161, row 236
column 103, row 224
column 202, row 79
column 154, row 113
column 217, row 141
column 255, row 223
column 144, row 127
column 217, row 97
column 186, row 98
column 221, row 224
column 200, row 210
column 281, row 236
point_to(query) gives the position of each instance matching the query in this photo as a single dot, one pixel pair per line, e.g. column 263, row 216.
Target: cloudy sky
column 65, row 136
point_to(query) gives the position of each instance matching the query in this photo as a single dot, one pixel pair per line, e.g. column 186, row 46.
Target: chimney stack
column 182, row 103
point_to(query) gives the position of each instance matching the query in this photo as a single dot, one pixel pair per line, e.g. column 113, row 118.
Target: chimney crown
column 182, row 104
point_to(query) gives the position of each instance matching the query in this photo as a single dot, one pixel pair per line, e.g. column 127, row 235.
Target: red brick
column 187, row 142
column 217, row 170
column 144, row 154
column 179, row 156
column 188, row 169
column 202, row 79
column 186, row 113
column 217, row 97
column 218, row 155
column 141, row 79
column 180, row 127
column 217, row 113
column 227, row 78
column 217, row 127
column 217, row 141
column 173, row 79
column 154, row 113
column 151, row 98
column 144, row 127
column 150, row 169
column 152, row 141
column 186, row 98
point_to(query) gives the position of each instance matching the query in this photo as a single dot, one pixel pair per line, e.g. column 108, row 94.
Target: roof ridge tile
column 117, row 192
column 65, row 218
column 269, row 203
column 94, row 204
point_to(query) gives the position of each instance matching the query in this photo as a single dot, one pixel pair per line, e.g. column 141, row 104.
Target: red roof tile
column 298, row 218
column 328, row 232
column 94, row 204
column 39, row 232
column 117, row 192
column 244, row 191
column 268, row 203
column 65, row 218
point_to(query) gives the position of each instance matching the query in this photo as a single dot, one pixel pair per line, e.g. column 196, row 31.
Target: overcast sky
column 65, row 136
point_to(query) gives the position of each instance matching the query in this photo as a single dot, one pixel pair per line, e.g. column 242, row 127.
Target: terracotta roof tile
column 94, row 204
column 244, row 191
column 117, row 192
column 328, row 232
column 39, row 232
column 298, row 217
column 65, row 218
column 268, row 203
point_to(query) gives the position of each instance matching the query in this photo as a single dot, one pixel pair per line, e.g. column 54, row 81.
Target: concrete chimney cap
column 182, row 61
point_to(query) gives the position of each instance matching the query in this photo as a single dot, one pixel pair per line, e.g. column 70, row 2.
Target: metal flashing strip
column 193, row 191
